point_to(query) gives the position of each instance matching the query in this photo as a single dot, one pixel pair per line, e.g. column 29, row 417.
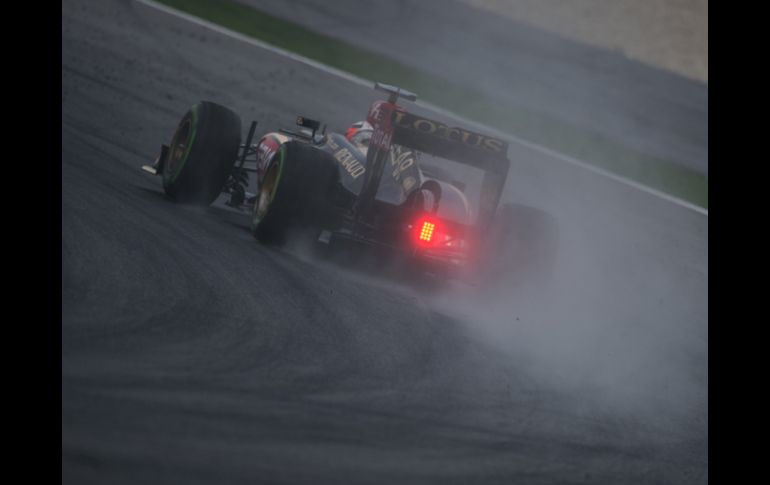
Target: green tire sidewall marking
column 277, row 185
column 170, row 178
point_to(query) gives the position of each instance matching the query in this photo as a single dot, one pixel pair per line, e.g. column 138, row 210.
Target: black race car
column 389, row 183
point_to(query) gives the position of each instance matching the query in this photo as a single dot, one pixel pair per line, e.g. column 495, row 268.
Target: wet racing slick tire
column 202, row 153
column 293, row 192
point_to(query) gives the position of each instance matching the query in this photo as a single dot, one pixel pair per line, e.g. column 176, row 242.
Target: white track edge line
column 364, row 82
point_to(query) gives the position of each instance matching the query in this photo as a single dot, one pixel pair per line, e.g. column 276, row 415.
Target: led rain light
column 426, row 233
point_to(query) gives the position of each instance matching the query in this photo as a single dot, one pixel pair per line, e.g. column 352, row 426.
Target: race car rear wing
column 456, row 144
column 459, row 145
column 393, row 125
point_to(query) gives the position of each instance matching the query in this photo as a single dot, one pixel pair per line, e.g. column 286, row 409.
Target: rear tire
column 293, row 192
column 202, row 153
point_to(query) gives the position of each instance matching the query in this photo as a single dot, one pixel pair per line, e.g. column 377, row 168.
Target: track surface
column 192, row 354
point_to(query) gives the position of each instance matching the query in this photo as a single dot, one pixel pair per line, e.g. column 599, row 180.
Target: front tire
column 202, row 153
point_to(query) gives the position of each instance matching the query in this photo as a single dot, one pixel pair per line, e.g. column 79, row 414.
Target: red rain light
column 426, row 232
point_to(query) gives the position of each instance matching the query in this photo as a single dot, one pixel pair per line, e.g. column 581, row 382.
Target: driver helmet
column 359, row 134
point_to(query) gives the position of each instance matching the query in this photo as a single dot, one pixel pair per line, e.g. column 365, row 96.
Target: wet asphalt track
column 192, row 354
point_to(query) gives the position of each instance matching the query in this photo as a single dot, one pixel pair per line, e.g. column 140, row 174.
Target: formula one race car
column 389, row 183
